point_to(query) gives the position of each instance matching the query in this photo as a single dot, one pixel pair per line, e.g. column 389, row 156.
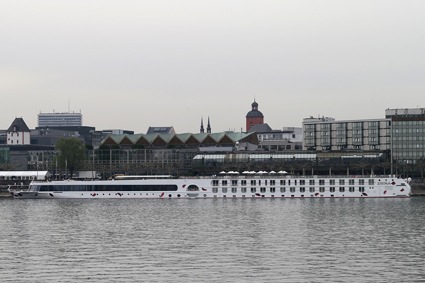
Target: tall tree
column 71, row 154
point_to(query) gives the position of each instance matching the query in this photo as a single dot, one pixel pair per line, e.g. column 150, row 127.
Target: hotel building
column 325, row 134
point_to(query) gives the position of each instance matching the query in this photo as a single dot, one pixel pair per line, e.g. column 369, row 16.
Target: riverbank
column 418, row 189
column 5, row 194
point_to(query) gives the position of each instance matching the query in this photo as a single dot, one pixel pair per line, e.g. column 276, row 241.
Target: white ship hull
column 222, row 187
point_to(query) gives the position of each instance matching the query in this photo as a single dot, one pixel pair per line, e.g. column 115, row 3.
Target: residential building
column 18, row 133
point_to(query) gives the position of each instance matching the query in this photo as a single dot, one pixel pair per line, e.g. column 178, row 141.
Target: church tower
column 208, row 126
column 254, row 117
column 202, row 126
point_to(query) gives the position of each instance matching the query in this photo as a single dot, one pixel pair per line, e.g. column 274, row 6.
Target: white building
column 289, row 138
column 18, row 133
column 65, row 119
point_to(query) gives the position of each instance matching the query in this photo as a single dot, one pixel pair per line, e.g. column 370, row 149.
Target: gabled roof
column 109, row 140
column 260, row 128
column 218, row 136
column 150, row 137
column 159, row 141
column 180, row 139
column 226, row 140
column 184, row 137
column 237, row 136
column 18, row 125
column 200, row 137
column 192, row 140
column 140, row 139
column 175, row 140
column 209, row 140
column 126, row 141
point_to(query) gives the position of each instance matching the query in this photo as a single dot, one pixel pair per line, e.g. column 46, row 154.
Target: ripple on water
column 206, row 240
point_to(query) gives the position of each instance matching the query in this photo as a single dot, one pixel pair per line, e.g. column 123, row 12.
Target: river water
column 213, row 240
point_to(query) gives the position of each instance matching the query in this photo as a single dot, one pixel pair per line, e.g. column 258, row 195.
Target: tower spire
column 202, row 125
column 208, row 126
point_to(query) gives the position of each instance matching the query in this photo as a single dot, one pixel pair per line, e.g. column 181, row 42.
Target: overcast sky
column 135, row 64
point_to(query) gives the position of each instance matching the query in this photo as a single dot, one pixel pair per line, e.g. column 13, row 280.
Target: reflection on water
column 206, row 240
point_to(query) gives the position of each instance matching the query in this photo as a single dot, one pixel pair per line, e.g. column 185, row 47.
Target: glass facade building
column 408, row 134
column 324, row 134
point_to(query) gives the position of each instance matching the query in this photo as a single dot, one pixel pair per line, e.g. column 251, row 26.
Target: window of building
column 234, row 190
column 224, row 190
column 341, row 189
column 332, row 189
column 243, row 190
column 282, row 190
column 234, row 182
column 262, row 190
column 215, row 190
column 312, row 190
column 253, row 190
column 322, row 189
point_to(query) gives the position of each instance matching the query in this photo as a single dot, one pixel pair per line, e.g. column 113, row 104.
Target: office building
column 66, row 119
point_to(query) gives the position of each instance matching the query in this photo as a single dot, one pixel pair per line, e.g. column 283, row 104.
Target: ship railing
column 18, row 188
column 288, row 176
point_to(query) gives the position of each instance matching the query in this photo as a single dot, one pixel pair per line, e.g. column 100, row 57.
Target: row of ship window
column 110, row 188
column 291, row 189
column 332, row 182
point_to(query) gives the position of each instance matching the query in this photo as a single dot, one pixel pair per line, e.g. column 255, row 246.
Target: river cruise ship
column 221, row 186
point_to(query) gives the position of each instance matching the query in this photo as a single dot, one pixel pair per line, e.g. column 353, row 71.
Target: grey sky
column 135, row 64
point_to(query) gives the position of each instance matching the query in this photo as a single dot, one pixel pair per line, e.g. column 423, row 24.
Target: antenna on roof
column 69, row 106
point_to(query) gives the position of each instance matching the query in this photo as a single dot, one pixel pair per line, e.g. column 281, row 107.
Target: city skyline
column 163, row 63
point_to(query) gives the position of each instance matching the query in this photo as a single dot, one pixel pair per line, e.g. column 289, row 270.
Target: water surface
column 207, row 240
